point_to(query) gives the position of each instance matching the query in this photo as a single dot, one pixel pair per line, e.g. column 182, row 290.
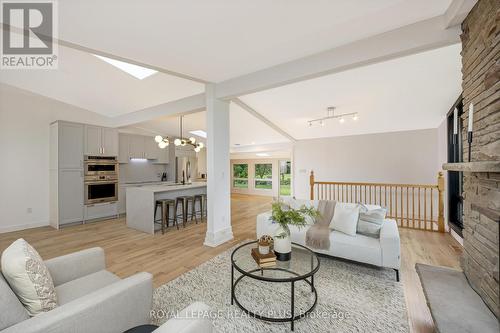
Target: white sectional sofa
column 382, row 252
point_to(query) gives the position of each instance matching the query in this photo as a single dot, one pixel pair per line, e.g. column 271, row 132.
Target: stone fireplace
column 481, row 177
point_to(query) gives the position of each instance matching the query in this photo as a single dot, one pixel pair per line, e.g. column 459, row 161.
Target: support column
column 218, row 167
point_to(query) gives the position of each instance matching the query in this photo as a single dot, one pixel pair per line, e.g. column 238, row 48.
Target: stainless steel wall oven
column 101, row 179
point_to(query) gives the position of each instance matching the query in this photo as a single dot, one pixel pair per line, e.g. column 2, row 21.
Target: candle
column 471, row 115
column 455, row 121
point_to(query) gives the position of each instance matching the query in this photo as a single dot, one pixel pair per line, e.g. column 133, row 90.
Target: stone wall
column 480, row 85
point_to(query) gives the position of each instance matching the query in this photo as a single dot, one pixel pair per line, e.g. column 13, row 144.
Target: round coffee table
column 303, row 265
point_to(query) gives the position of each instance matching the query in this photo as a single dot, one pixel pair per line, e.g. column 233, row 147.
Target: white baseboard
column 214, row 239
column 10, row 228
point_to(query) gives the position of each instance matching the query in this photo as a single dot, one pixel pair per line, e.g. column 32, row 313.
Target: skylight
column 138, row 72
column 200, row 133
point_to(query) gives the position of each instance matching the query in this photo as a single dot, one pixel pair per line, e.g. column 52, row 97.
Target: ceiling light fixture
column 136, row 71
column 180, row 141
column 330, row 114
column 262, row 154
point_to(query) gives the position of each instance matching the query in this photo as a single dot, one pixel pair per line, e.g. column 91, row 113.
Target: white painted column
column 218, row 170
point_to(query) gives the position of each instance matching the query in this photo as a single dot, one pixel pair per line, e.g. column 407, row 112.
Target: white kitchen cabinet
column 70, row 196
column 123, row 148
column 101, row 141
column 109, row 141
column 70, row 146
column 136, row 146
column 151, row 149
column 163, row 155
column 93, row 140
column 100, row 210
column 139, row 146
column 66, row 173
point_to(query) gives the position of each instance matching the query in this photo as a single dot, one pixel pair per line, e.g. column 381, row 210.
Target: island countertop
column 155, row 188
column 141, row 201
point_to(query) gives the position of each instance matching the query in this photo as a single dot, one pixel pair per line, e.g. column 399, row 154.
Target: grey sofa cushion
column 72, row 290
column 11, row 309
column 370, row 221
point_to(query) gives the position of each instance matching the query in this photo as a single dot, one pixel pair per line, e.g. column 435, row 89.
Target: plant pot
column 282, row 247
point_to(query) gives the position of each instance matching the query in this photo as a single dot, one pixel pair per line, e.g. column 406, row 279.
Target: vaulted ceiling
column 220, row 39
column 223, row 39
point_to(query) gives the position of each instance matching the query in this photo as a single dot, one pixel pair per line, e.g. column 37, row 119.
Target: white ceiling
column 408, row 93
column 220, row 39
column 85, row 81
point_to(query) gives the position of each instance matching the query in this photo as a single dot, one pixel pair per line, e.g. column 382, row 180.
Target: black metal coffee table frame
column 290, row 280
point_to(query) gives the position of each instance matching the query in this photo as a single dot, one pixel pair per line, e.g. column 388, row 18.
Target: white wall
column 397, row 157
column 24, row 154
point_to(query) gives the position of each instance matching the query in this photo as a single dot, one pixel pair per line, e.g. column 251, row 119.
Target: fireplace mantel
column 481, row 166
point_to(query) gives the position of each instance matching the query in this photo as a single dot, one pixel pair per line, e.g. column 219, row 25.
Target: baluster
column 385, row 196
column 432, row 212
column 413, row 207
column 396, row 202
column 407, row 208
column 419, row 210
column 425, row 207
column 379, row 202
column 390, row 201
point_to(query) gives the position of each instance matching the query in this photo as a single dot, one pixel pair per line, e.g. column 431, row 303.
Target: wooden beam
column 266, row 121
column 414, row 38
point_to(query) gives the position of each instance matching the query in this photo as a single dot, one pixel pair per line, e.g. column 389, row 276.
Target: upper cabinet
column 151, row 149
column 101, row 141
column 69, row 146
column 136, row 146
column 139, row 146
column 110, row 141
column 123, row 148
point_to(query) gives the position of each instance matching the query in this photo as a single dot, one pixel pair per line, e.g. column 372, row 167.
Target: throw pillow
column 371, row 220
column 29, row 278
column 345, row 218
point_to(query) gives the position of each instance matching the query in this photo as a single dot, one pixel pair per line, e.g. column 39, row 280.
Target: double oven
column 101, row 179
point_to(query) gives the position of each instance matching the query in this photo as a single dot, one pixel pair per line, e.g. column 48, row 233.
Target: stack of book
column 264, row 260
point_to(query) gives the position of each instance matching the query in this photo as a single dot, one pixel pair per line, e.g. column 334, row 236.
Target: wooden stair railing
column 411, row 205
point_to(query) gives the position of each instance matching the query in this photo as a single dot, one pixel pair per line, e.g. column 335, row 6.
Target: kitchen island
column 141, row 201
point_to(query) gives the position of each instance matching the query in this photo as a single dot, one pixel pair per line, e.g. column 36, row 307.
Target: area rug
column 351, row 298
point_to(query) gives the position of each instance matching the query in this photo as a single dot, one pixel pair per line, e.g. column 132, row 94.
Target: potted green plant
column 283, row 215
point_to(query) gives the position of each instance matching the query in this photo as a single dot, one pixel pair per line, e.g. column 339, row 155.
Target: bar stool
column 164, row 205
column 202, row 199
column 184, row 201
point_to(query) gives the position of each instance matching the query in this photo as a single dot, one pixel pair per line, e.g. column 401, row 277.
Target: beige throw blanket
column 318, row 235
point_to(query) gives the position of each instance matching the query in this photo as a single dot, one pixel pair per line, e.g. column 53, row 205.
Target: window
column 285, row 177
column 240, row 175
column 264, row 176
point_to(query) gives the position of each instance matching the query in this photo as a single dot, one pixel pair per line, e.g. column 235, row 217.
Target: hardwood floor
column 178, row 251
